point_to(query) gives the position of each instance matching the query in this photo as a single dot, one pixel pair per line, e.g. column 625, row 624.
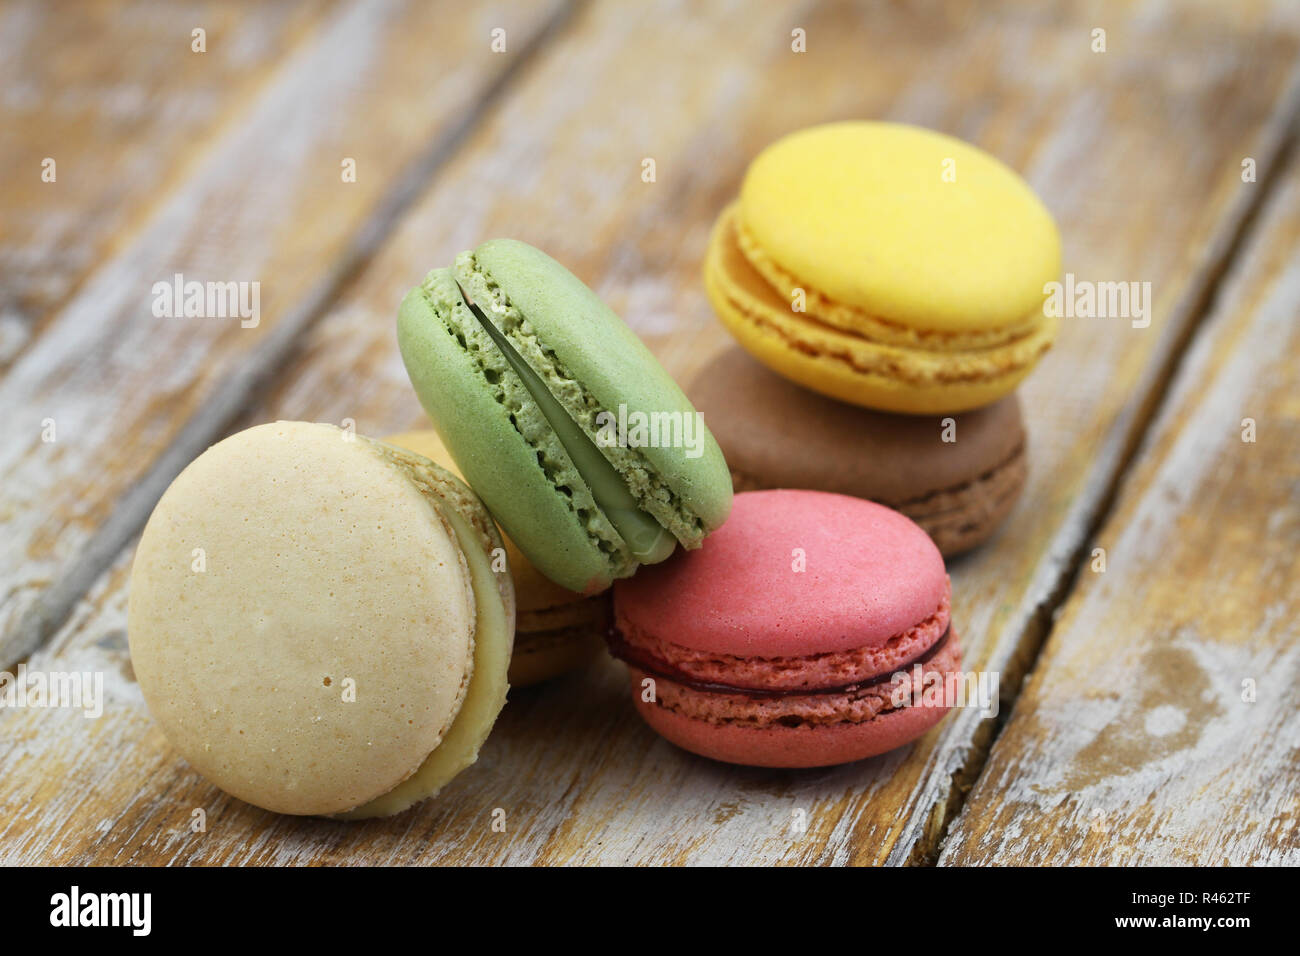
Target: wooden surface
column 1162, row 722
column 1129, row 741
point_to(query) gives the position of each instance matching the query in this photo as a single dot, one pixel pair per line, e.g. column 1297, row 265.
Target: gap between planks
column 1126, row 438
column 250, row 379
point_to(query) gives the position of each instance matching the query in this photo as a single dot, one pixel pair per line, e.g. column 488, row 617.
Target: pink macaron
column 811, row 629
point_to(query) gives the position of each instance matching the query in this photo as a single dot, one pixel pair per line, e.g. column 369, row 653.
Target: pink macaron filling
column 830, row 670
column 853, row 705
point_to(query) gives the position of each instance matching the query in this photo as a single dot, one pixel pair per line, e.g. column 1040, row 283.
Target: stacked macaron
column 324, row 624
column 899, row 274
column 889, row 282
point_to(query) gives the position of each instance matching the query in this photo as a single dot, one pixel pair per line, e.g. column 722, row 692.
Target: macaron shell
column 844, row 448
column 592, row 612
column 905, row 223
column 970, row 514
column 534, row 591
column 480, row 425
column 556, row 630
column 851, row 368
column 598, row 350
column 485, row 694
column 544, row 655
column 794, row 675
column 258, row 590
column 958, row 491
column 800, row 745
column 847, row 318
column 791, row 573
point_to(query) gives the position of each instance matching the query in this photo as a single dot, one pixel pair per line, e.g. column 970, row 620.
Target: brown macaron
column 957, row 476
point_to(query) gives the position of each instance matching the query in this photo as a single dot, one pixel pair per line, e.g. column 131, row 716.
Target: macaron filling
column 827, row 672
column 435, row 313
column 846, row 686
column 875, row 327
column 646, row 489
column 853, row 704
column 868, row 345
column 486, row 686
column 647, row 539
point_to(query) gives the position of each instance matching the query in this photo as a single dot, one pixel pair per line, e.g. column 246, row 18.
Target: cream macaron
column 315, row 623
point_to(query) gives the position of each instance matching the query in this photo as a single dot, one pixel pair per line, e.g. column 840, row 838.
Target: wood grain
column 115, row 95
column 133, row 398
column 1160, row 725
column 1132, row 149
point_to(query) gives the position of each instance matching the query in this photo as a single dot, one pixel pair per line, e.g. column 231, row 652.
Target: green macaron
column 581, row 445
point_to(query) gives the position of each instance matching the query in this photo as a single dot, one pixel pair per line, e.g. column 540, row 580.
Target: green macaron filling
column 646, row 538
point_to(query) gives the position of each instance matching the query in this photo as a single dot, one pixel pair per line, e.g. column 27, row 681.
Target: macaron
column 583, row 448
column 887, row 266
column 803, row 634
column 957, row 476
column 556, row 630
column 315, row 623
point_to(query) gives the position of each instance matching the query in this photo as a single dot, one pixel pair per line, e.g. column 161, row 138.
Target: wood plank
column 132, row 397
column 115, row 95
column 1135, row 741
column 1132, row 154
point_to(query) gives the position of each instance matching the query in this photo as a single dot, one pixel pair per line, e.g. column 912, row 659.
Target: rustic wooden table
column 1150, row 710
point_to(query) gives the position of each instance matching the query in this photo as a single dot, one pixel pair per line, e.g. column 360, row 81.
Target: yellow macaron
column 886, row 265
column 556, row 630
